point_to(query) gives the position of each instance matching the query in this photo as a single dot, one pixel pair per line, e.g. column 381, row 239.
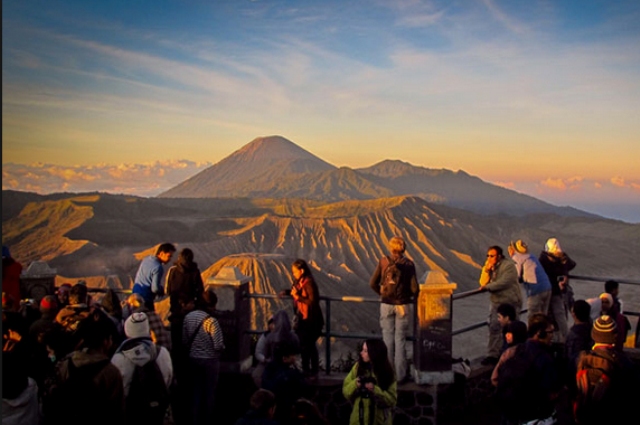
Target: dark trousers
column 308, row 335
column 203, row 380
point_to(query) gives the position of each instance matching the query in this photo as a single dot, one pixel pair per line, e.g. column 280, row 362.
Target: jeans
column 394, row 322
column 539, row 303
column 558, row 314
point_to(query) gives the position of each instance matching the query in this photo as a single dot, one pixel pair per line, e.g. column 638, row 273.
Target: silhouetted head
column 165, row 252
column 397, row 245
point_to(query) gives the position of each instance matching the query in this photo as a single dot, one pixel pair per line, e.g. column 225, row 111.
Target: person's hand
column 370, row 386
column 358, row 383
column 284, row 293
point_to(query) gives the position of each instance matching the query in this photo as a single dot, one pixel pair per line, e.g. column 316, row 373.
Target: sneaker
column 489, row 361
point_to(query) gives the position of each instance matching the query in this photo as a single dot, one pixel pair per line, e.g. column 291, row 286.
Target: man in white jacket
column 137, row 350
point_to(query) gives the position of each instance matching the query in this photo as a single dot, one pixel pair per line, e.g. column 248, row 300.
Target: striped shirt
column 208, row 343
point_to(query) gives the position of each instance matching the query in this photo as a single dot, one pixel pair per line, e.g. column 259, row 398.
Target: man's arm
column 505, row 276
column 374, row 283
column 156, row 280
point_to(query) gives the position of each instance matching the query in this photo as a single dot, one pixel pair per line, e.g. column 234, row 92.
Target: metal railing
column 328, row 333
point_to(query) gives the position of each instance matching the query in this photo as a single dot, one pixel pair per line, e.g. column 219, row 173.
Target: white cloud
column 147, row 179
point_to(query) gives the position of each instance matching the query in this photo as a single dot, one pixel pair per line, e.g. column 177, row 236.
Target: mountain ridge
column 275, row 167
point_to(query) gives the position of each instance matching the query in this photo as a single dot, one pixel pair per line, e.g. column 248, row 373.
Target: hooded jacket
column 138, row 352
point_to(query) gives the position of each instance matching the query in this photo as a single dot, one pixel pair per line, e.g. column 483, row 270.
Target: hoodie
column 137, row 352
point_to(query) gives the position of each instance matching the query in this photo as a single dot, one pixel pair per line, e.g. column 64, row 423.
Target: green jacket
column 384, row 401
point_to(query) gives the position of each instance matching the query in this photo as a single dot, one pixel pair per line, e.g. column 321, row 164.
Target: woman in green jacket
column 371, row 386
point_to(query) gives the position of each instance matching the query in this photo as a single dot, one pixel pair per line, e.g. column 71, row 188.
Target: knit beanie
column 553, row 246
column 520, row 246
column 137, row 326
column 604, row 330
column 48, row 303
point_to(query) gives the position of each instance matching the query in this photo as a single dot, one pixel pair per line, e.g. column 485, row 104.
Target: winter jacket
column 24, row 409
column 408, row 280
column 306, row 302
column 138, row 352
column 183, row 278
column 382, row 402
column 531, row 274
column 555, row 265
column 503, row 284
column 107, row 401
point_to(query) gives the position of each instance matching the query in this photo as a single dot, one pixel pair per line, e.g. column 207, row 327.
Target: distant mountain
column 274, row 167
column 251, row 171
column 457, row 189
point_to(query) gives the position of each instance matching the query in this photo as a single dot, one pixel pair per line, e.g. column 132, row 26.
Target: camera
column 363, row 391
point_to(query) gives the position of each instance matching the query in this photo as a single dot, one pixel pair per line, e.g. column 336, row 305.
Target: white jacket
column 24, row 409
column 137, row 352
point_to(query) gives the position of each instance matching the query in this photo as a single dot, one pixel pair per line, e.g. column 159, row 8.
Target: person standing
column 557, row 265
column 395, row 281
column 500, row 278
column 371, row 386
column 203, row 338
column 308, row 317
column 532, row 276
column 138, row 350
column 184, row 281
column 11, row 270
column 148, row 280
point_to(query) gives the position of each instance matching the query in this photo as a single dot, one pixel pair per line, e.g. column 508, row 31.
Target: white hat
column 137, row 326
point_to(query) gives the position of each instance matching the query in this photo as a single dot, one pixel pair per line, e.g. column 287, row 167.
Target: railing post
column 234, row 315
column 432, row 349
column 327, row 337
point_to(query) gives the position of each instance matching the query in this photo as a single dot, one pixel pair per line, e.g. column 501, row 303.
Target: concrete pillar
column 433, row 345
column 234, row 315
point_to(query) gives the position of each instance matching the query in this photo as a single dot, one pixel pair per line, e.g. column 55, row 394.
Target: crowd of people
column 544, row 364
column 72, row 357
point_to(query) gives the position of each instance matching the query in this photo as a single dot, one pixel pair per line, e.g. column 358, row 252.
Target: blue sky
column 538, row 96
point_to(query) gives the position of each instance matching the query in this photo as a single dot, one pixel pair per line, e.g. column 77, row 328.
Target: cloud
column 571, row 183
column 147, row 179
column 618, row 181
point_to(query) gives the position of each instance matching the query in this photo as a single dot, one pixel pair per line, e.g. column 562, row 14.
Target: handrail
column 358, row 299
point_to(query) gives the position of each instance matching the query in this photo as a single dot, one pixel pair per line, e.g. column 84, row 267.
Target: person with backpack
column 500, row 278
column 371, row 386
column 308, row 318
column 395, row 281
column 146, row 371
column 606, row 380
column 184, row 281
column 527, row 379
column 87, row 388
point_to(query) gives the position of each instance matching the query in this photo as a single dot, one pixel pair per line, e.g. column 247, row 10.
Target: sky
column 542, row 97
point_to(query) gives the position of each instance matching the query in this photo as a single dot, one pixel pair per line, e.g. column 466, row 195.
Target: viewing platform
column 435, row 395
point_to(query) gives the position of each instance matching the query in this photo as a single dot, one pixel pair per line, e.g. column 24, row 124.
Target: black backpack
column 519, row 392
column 148, row 397
column 596, row 371
column 390, row 287
column 74, row 399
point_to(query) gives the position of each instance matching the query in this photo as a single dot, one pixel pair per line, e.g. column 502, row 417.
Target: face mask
column 52, row 357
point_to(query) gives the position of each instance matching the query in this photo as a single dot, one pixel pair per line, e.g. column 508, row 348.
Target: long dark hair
column 378, row 363
column 302, row 265
column 185, row 257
